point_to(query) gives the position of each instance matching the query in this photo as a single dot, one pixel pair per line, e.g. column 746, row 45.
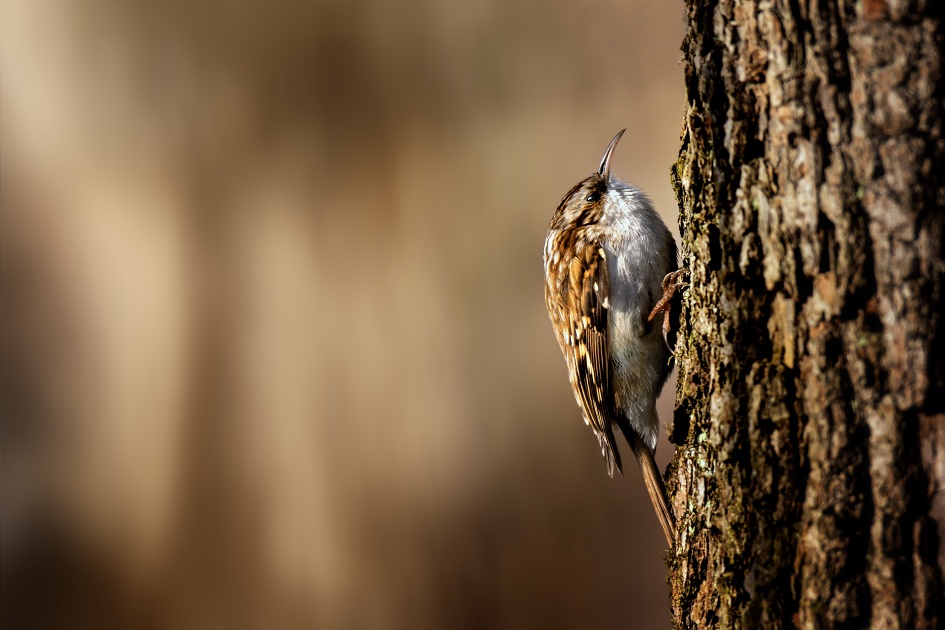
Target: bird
column 609, row 261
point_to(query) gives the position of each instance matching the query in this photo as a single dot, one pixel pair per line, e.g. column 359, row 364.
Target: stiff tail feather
column 654, row 485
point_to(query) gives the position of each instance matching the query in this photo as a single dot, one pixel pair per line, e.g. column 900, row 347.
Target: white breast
column 640, row 252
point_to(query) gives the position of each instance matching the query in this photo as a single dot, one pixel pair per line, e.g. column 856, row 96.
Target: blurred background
column 274, row 350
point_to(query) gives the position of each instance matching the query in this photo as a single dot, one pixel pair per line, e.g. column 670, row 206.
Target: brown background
column 274, row 344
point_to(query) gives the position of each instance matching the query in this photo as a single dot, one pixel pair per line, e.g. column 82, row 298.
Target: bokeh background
column 274, row 348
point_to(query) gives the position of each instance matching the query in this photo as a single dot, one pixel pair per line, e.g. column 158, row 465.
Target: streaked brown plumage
column 606, row 254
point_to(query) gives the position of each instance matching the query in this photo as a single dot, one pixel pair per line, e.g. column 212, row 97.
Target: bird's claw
column 670, row 284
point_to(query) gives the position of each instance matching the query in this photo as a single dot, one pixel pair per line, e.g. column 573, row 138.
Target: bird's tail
column 654, row 484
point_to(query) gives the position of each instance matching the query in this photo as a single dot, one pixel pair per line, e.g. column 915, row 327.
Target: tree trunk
column 809, row 477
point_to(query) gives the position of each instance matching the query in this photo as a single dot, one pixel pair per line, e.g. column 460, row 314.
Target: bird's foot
column 671, row 282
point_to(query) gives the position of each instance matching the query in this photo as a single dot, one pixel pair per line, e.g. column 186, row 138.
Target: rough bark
column 809, row 477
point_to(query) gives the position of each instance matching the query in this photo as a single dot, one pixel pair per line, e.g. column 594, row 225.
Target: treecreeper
column 610, row 266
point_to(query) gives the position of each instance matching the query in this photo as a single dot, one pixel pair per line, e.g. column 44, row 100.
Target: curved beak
column 604, row 170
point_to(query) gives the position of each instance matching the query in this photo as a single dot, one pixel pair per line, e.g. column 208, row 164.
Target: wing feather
column 584, row 315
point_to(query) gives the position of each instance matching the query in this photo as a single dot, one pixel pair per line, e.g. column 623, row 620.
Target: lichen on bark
column 810, row 469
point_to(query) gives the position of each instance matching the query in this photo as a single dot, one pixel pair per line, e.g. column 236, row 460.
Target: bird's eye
column 594, row 196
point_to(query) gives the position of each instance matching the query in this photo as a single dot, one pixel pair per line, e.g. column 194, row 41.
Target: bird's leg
column 671, row 283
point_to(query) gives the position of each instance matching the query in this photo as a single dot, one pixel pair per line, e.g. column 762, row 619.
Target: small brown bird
column 606, row 254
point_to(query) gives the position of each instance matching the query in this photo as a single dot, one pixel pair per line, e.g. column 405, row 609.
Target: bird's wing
column 585, row 347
